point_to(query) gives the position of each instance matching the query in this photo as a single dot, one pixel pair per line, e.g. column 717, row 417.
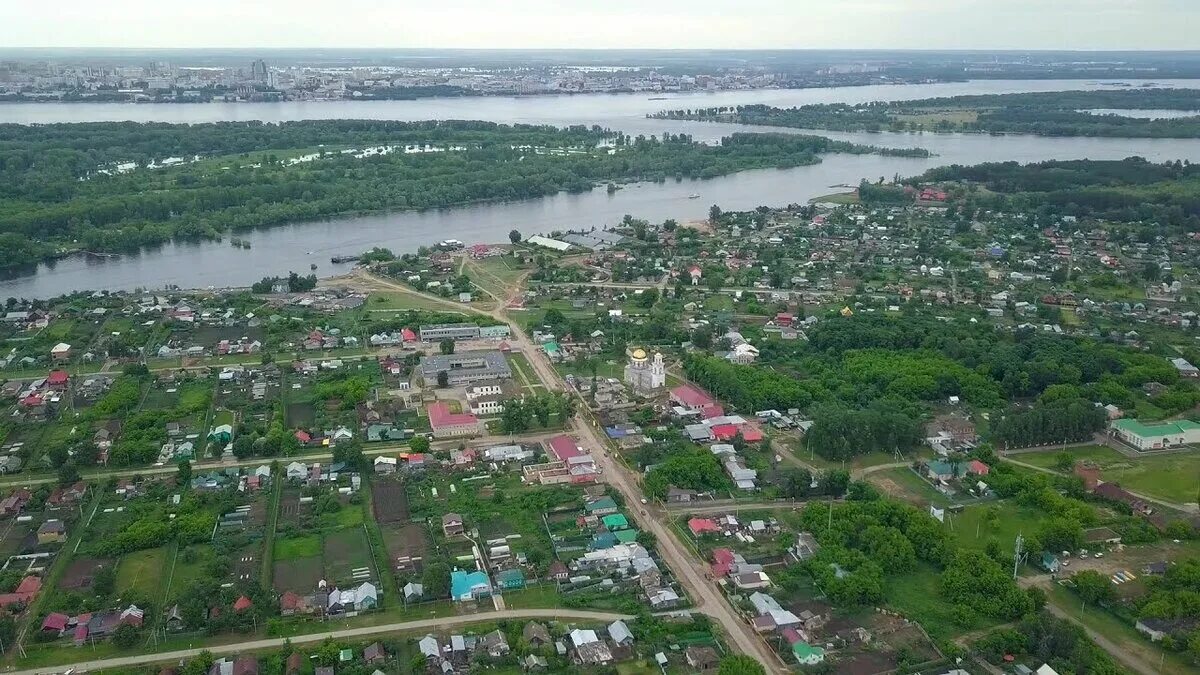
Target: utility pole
column 1018, row 554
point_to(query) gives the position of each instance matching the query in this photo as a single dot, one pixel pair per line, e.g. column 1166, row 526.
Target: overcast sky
column 799, row 24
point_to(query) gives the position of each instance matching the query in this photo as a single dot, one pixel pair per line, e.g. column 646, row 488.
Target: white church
column 643, row 375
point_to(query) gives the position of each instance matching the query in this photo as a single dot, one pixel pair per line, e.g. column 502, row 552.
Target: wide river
column 277, row 250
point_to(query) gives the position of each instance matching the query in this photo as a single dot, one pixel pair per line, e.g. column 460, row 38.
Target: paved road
column 677, row 558
column 557, row 614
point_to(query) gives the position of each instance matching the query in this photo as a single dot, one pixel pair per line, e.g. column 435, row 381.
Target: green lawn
column 918, row 596
column 974, row 529
column 189, row 567
column 384, row 300
column 543, row 595
column 304, row 546
column 141, row 571
column 1170, row 477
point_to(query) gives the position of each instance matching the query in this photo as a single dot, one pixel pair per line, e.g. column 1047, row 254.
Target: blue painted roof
column 462, row 582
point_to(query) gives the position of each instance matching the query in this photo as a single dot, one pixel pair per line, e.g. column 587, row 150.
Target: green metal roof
column 615, row 521
column 1145, row 430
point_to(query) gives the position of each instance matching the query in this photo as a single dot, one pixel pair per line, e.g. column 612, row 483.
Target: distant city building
column 259, row 72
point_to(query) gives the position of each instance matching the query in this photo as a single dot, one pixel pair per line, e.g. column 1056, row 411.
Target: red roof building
column 711, row 411
column 724, row 432
column 446, row 424
column 289, row 602
column 722, row 562
column 978, row 468
column 563, row 448
column 407, row 335
column 700, row 526
column 691, row 397
column 56, row 622
column 751, row 434
column 303, row 436
column 25, row 592
column 57, row 379
column 242, row 604
column 784, row 319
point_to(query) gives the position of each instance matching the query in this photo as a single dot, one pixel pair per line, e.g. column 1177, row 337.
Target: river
column 294, row 247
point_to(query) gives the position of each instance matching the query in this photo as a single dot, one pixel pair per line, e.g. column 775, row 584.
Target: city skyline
column 670, row 24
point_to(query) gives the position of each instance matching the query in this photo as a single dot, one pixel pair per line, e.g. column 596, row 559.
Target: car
column 645, row 501
column 1066, row 562
column 1098, row 555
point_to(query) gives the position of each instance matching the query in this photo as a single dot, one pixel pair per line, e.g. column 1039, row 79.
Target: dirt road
column 438, row 624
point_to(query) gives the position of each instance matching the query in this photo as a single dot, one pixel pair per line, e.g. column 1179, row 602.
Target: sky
column 599, row 24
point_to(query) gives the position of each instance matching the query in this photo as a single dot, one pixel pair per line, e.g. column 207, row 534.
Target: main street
column 438, row 624
column 682, row 564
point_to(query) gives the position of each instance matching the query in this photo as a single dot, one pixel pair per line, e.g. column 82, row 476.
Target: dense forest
column 1132, row 190
column 104, row 186
column 1054, row 113
column 868, row 381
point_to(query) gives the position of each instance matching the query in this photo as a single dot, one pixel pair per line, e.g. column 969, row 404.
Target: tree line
column 1054, row 113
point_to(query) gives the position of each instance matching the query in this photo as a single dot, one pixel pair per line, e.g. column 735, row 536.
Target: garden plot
column 241, row 531
column 141, row 572
column 348, row 557
column 81, row 573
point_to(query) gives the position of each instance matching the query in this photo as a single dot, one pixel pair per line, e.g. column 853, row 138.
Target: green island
column 1055, row 113
column 106, row 187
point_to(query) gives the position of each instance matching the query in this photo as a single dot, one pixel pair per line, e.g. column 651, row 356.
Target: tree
column 436, row 580
column 796, row 483
column 514, row 236
column 125, row 636
column 446, row 346
column 68, row 474
column 1094, row 588
column 418, row 444
column 184, row 473
column 243, row 447
column 834, row 482
column 443, row 379
column 714, row 215
column 198, row 665
column 1063, row 461
column 740, row 664
column 8, row 631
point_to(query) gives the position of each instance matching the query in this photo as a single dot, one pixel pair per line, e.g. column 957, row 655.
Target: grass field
column 1170, row 477
column 523, row 371
column 141, row 571
column 905, row 485
column 398, row 301
column 498, row 275
column 190, row 566
column 836, row 198
column 918, row 595
column 544, row 595
column 973, row 527
column 304, row 546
